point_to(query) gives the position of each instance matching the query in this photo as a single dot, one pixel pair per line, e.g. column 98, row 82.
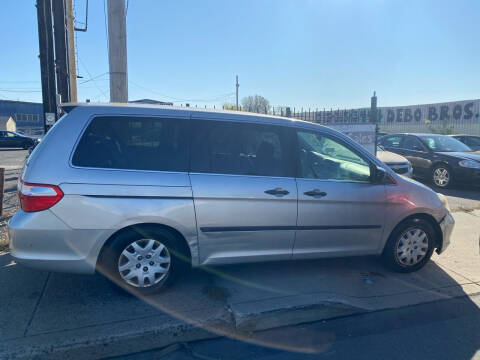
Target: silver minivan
column 140, row 193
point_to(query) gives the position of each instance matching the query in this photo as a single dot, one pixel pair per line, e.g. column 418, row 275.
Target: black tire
column 439, row 168
column 392, row 253
column 108, row 264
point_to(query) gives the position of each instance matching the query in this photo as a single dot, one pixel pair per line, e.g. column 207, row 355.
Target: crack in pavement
column 36, row 305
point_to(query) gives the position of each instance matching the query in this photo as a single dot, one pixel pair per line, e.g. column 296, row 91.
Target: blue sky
column 302, row 53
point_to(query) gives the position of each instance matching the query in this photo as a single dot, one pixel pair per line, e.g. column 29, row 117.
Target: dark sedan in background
column 439, row 158
column 12, row 139
column 472, row 141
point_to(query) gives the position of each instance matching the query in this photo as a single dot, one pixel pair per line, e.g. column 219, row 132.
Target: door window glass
column 473, row 141
column 134, row 143
column 392, row 141
column 222, row 147
column 412, row 143
column 324, row 158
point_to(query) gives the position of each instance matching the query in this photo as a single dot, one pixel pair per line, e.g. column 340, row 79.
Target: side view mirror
column 379, row 175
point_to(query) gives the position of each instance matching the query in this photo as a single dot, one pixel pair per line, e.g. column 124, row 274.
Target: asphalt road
column 448, row 329
column 459, row 199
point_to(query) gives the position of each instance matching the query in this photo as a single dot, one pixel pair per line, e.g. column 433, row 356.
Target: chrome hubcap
column 412, row 246
column 144, row 263
column 441, row 177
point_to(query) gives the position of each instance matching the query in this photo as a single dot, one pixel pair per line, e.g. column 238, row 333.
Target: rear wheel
column 410, row 245
column 143, row 261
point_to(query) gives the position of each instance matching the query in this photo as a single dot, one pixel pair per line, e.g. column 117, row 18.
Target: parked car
column 211, row 187
column 12, row 139
column 439, row 158
column 396, row 162
column 472, row 141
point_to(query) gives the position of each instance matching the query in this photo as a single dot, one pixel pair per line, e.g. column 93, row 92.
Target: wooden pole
column 2, row 185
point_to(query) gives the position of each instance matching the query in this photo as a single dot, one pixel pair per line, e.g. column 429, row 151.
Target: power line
column 20, row 91
column 91, row 77
column 94, row 78
column 217, row 98
column 19, row 82
column 106, row 26
column 6, row 98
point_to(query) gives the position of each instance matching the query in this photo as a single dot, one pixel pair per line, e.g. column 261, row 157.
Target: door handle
column 315, row 192
column 277, row 191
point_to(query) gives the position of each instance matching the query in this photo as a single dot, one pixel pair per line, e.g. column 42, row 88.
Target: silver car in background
column 140, row 193
column 396, row 162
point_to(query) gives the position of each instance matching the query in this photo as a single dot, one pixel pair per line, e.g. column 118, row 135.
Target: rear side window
column 238, row 148
column 136, row 143
column 392, row 141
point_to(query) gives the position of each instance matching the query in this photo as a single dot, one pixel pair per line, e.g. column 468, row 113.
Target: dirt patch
column 216, row 293
column 4, row 232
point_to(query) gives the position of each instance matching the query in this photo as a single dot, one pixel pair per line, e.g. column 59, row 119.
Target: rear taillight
column 38, row 197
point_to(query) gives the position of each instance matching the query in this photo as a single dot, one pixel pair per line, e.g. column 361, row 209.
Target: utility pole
column 374, row 117
column 117, row 51
column 61, row 63
column 47, row 62
column 72, row 68
column 237, row 85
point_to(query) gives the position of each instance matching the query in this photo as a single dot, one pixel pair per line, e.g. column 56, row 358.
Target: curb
column 160, row 331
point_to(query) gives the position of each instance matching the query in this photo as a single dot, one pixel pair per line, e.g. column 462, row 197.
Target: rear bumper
column 41, row 240
column 446, row 225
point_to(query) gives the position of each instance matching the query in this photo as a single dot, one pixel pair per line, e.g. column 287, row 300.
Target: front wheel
column 442, row 176
column 142, row 262
column 410, row 246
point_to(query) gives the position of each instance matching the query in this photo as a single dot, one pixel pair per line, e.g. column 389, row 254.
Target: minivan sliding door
column 244, row 192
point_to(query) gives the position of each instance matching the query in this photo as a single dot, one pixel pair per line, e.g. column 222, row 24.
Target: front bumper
column 446, row 225
column 467, row 176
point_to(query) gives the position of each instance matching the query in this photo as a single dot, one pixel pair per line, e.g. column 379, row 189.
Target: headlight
column 469, row 164
column 444, row 201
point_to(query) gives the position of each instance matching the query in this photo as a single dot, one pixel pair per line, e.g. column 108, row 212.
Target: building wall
column 28, row 116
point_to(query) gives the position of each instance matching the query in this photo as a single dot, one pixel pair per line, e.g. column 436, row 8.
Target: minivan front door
column 340, row 211
column 244, row 191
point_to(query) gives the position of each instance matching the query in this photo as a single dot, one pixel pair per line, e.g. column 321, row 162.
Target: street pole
column 374, row 117
column 61, row 63
column 117, row 51
column 72, row 67
column 236, row 86
column 47, row 62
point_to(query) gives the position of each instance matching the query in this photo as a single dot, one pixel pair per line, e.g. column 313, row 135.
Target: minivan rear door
column 340, row 211
column 244, row 191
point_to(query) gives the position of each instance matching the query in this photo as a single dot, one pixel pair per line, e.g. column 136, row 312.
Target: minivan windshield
column 443, row 143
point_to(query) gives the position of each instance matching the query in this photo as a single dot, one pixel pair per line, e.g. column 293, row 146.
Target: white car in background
column 396, row 162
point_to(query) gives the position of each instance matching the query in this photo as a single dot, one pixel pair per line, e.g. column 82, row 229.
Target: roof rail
column 67, row 107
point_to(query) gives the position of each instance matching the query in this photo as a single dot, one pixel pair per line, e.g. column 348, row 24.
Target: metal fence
column 461, row 117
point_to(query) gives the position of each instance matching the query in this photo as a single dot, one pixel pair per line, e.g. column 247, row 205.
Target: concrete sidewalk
column 59, row 315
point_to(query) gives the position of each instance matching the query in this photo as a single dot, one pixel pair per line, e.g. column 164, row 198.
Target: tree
column 229, row 106
column 256, row 103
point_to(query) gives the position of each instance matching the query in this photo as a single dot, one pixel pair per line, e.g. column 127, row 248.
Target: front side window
column 324, row 158
column 222, row 147
column 444, row 143
column 473, row 141
column 138, row 143
column 412, row 143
